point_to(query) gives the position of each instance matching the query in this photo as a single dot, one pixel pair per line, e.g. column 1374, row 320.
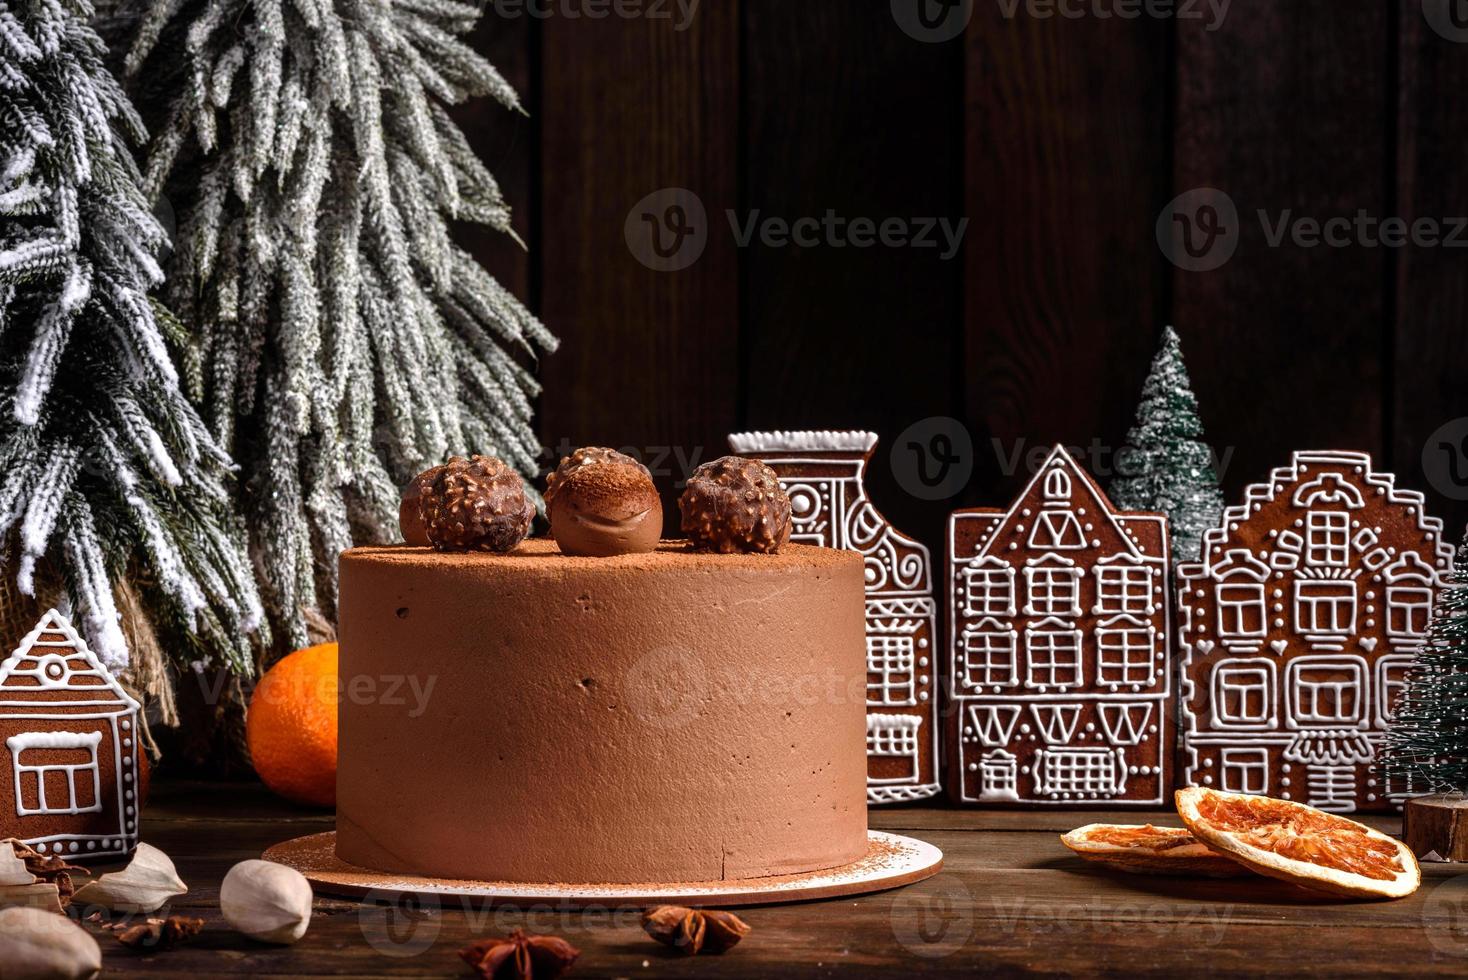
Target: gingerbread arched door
column 823, row 473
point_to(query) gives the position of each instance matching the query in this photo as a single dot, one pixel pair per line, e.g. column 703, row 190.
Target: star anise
column 520, row 957
column 47, row 867
column 159, row 933
column 694, row 931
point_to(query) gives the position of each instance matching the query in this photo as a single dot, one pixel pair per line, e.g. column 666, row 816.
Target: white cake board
column 891, row 861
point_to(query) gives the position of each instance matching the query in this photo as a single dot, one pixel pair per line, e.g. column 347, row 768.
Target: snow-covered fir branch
column 349, row 343
column 106, row 470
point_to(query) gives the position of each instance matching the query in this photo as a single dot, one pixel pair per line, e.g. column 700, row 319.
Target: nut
column 266, row 901
column 735, row 504
column 38, row 945
column 148, row 882
column 410, row 514
column 601, row 502
column 475, row 504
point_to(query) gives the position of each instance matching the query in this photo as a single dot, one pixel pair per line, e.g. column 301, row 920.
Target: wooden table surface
column 1010, row 900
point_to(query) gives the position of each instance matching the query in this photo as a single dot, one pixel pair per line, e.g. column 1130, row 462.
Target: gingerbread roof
column 1303, row 484
column 53, row 670
column 1138, row 535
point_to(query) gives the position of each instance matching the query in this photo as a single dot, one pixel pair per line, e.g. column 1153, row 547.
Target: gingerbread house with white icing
column 1298, row 624
column 1058, row 647
column 824, row 473
column 69, row 735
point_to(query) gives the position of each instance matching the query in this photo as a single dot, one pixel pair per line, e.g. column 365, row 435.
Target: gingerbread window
column 1079, row 771
column 1123, row 589
column 1052, row 589
column 1054, row 656
column 999, row 771
column 1327, row 690
column 1408, row 610
column 1325, row 608
column 1391, row 680
column 989, row 656
column 56, row 772
column 893, row 736
column 890, row 674
column 1124, row 652
column 1328, row 538
column 989, row 589
column 1245, row 770
column 1243, row 692
column 1241, row 609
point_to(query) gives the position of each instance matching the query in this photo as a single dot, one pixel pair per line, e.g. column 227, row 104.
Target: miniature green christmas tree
column 1165, row 465
column 1426, row 746
column 107, row 474
column 348, row 341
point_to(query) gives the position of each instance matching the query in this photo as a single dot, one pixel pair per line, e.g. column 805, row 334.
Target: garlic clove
column 148, row 882
column 38, row 945
column 266, row 901
column 12, row 868
column 40, row 895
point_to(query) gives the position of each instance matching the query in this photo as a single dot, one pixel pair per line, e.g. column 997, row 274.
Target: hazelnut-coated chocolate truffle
column 735, row 504
column 475, row 504
column 410, row 516
column 601, row 502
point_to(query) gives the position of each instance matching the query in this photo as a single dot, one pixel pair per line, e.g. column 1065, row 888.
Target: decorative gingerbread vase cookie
column 1298, row 625
column 822, row 472
column 69, row 733
column 1058, row 635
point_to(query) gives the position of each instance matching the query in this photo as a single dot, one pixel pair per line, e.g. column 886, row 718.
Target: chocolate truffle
column 601, row 502
column 410, row 514
column 735, row 504
column 475, row 504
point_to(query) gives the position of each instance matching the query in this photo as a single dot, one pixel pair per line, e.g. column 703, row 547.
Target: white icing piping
column 804, row 440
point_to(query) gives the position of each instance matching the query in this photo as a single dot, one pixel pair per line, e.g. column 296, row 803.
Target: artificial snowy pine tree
column 1165, row 466
column 106, row 471
column 349, row 343
column 1427, row 744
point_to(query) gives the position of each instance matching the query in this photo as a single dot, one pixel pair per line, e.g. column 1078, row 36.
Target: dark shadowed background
column 1064, row 131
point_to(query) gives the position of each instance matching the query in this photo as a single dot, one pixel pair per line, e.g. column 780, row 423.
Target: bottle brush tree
column 1165, row 465
column 1426, row 745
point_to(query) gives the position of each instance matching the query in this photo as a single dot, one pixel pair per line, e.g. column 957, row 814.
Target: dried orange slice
column 1300, row 844
column 1150, row 850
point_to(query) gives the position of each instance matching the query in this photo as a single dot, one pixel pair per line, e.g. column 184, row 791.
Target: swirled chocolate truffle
column 474, row 504
column 601, row 502
column 735, row 504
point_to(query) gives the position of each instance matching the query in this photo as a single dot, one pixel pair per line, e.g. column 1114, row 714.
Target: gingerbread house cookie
column 1058, row 641
column 1298, row 624
column 69, row 733
column 823, row 474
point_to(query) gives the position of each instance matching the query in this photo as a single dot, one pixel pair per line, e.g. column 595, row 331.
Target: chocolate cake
column 665, row 716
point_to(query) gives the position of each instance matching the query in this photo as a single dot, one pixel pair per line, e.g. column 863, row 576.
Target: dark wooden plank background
column 1061, row 141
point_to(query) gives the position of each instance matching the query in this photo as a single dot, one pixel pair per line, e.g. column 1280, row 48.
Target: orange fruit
column 1150, row 850
column 1300, row 844
column 291, row 727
